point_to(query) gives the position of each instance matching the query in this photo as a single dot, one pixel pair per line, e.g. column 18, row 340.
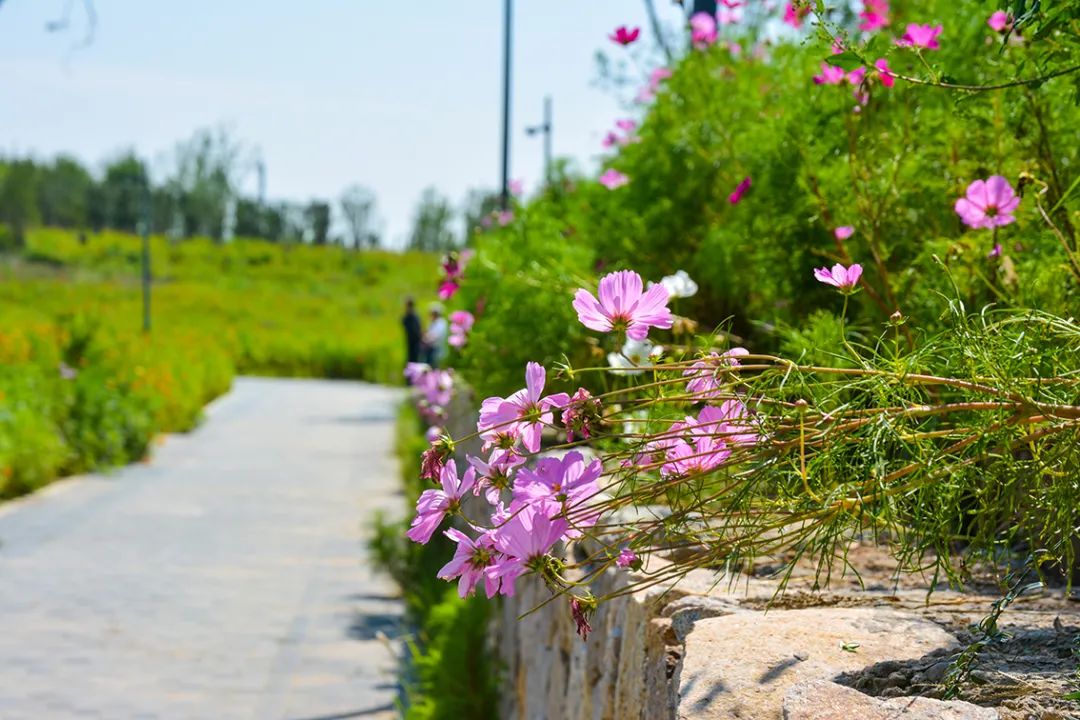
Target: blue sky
column 394, row 95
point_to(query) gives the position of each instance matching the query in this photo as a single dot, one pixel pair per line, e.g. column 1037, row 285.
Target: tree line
column 201, row 196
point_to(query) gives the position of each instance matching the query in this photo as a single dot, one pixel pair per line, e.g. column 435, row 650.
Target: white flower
column 679, row 285
column 634, row 426
column 635, row 353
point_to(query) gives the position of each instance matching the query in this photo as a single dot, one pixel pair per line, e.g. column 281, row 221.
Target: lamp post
column 504, row 191
column 545, row 128
column 147, row 210
column 704, row 6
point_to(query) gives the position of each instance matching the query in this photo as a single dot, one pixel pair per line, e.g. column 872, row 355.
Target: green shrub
column 449, row 672
column 892, row 170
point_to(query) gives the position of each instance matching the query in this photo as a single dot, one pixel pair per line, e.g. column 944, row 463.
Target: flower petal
column 590, row 312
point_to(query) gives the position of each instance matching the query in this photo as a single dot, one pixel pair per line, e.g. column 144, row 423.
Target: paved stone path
column 226, row 578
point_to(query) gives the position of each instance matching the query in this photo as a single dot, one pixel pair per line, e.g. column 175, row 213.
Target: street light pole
column 704, row 6
column 504, row 192
column 146, row 220
column 546, row 128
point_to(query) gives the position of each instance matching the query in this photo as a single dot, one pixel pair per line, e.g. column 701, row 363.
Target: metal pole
column 146, row 219
column 261, row 168
column 548, row 129
column 704, row 6
column 504, row 193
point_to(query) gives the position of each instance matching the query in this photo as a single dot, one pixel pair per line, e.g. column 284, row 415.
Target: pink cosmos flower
column 840, row 277
column 414, row 371
column 523, row 541
column 516, row 186
column 739, row 191
column 794, row 17
column 658, row 76
column 625, row 36
column 610, row 140
column 580, row 613
column 844, row 232
column 626, row 558
column 830, row 75
column 505, row 437
column 453, row 263
column 736, row 424
column 496, row 473
column 626, row 124
column 921, row 36
column 856, row 76
column 623, row 306
column 700, row 446
column 435, row 387
column 461, row 322
column 525, row 411
column 999, row 21
column 581, row 415
column 874, row 15
column 471, row 560
column 561, row 486
column 447, row 289
column 732, row 4
column 432, row 462
column 702, row 30
column 434, row 505
column 995, row 252
column 885, row 74
column 708, row 377
column 988, row 203
column 613, row 179
column 726, row 16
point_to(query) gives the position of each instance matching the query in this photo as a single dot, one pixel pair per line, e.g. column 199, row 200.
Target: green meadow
column 82, row 387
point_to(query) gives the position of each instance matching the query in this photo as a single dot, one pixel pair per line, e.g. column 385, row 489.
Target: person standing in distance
column 435, row 337
column 413, row 334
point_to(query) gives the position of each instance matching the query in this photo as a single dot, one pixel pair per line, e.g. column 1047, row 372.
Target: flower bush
column 918, row 385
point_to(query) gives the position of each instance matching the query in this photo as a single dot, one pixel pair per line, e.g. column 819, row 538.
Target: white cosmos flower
column 635, row 353
column 679, row 285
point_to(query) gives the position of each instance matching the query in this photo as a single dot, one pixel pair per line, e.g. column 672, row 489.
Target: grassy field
column 82, row 388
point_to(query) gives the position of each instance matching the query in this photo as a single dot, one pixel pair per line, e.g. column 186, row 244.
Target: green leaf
column 846, row 60
column 878, row 45
column 1071, row 696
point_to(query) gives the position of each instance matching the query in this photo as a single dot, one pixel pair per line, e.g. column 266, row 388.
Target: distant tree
column 18, row 206
column 317, row 219
column 122, row 192
column 250, row 219
column 274, row 223
column 432, row 223
column 292, row 219
column 208, row 166
column 63, row 193
column 358, row 208
column 167, row 212
column 479, row 204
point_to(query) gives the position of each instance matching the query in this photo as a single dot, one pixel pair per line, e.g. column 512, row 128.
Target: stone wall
column 701, row 651
column 624, row 670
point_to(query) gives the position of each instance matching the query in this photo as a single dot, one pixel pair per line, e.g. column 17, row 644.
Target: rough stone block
column 741, row 665
column 825, row 700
